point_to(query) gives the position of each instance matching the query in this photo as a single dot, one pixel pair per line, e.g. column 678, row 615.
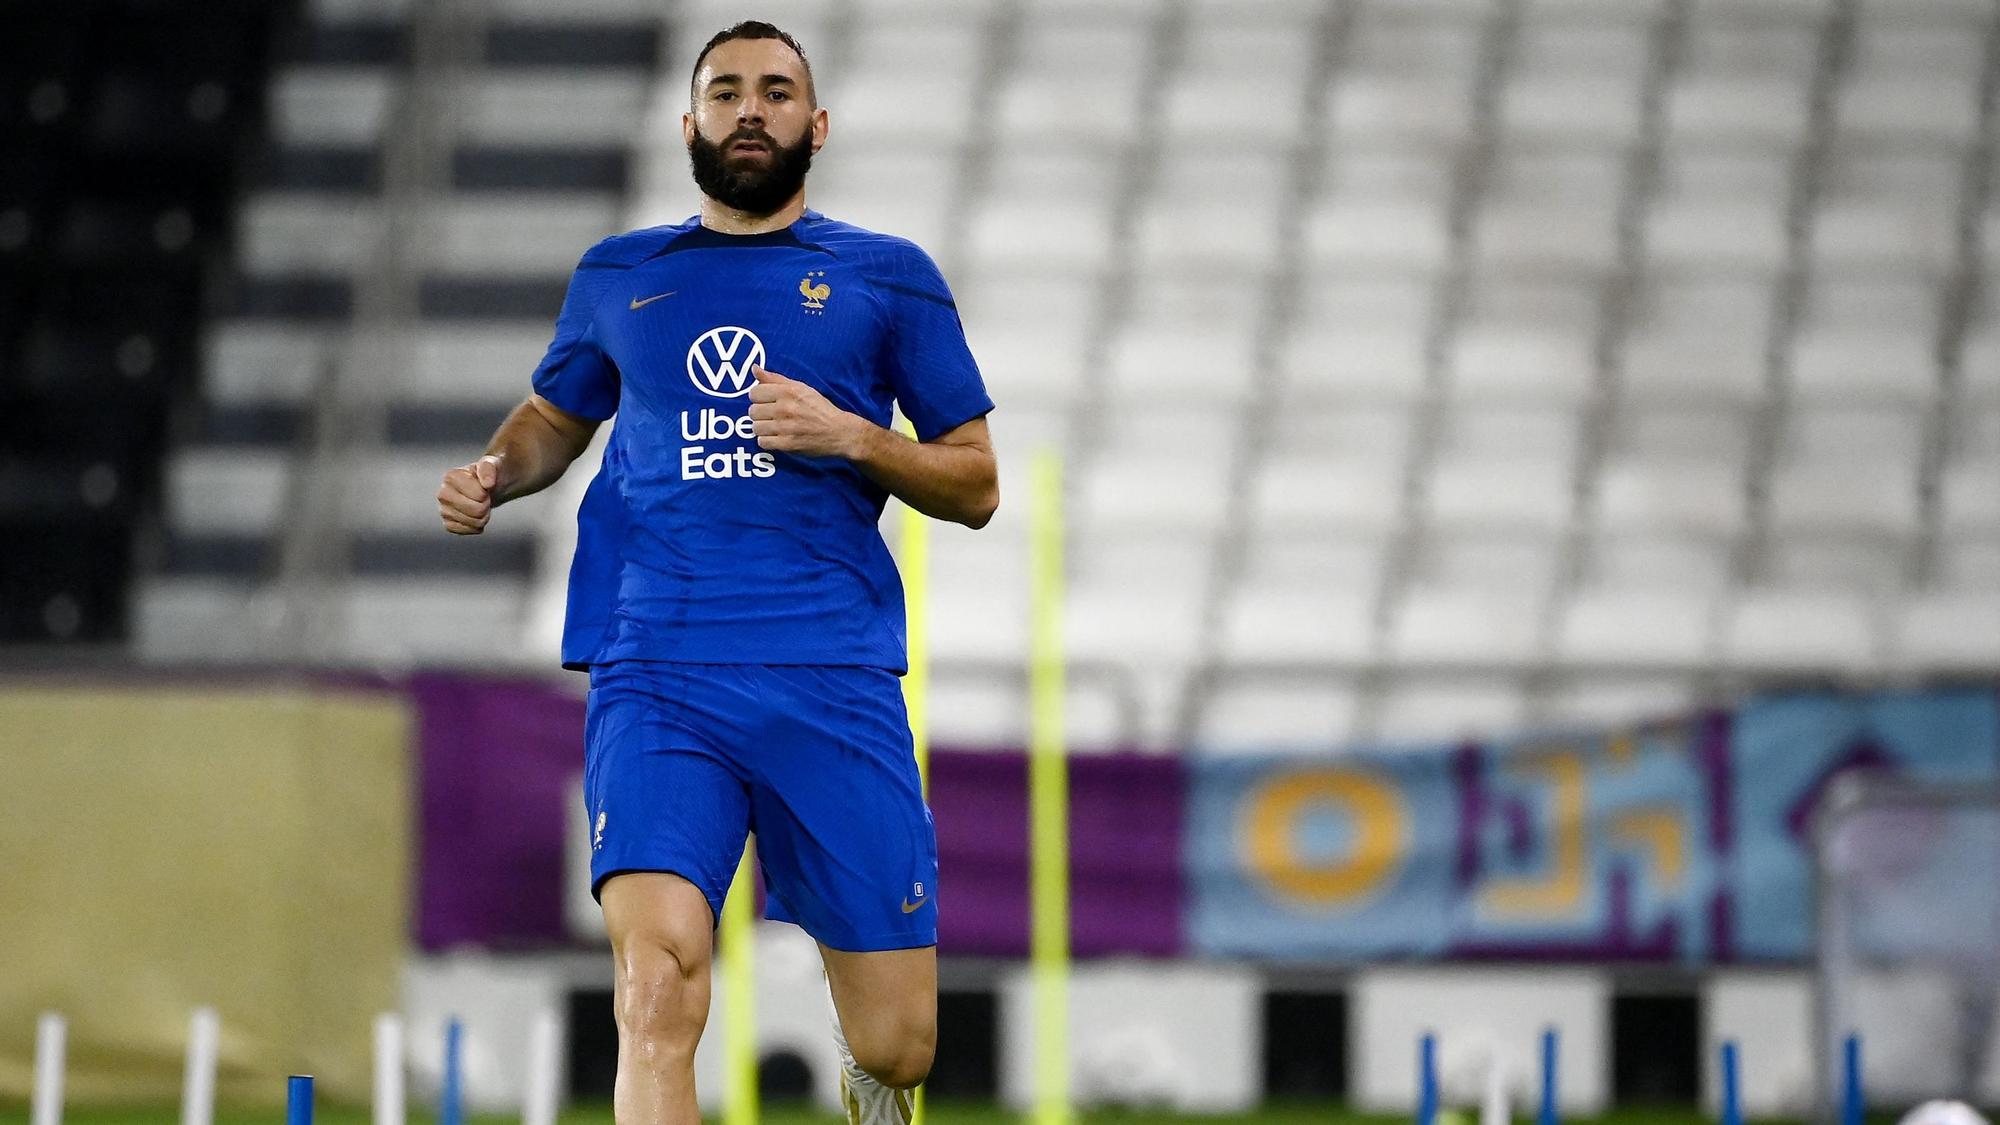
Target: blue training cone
column 1427, row 1080
column 451, row 1103
column 299, row 1100
column 1548, row 1114
column 1852, row 1105
column 1732, row 1098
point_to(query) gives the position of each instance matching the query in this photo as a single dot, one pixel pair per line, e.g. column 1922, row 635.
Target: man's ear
column 687, row 129
column 819, row 126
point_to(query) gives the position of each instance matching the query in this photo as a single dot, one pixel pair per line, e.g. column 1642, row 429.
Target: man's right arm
column 528, row 453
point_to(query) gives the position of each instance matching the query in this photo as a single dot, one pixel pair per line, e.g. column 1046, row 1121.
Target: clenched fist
column 465, row 499
column 792, row 417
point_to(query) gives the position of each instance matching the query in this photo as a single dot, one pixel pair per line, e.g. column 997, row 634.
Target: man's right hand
column 465, row 499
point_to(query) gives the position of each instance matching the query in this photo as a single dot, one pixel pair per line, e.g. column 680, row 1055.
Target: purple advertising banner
column 496, row 761
column 499, row 759
column 1124, row 845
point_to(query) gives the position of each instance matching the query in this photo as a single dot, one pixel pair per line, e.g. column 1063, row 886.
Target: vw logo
column 720, row 359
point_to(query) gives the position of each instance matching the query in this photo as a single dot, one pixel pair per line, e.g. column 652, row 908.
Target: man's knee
column 900, row 1056
column 662, row 995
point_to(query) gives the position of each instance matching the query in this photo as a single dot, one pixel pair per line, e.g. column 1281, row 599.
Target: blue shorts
column 681, row 761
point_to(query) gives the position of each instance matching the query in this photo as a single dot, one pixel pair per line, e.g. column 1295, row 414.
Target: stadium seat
column 1645, row 626
column 199, row 620
column 410, row 622
column 1698, row 341
column 1743, row 80
column 1548, row 98
column 1911, row 81
column 1044, row 234
column 1026, row 167
column 228, row 491
column 1699, row 496
column 1066, row 107
column 1964, row 562
column 1309, row 562
column 1261, row 716
column 1862, row 364
column 1948, row 630
column 895, row 43
column 1029, row 333
column 1535, row 432
column 1301, row 625
column 1970, row 501
column 1865, row 562
column 1778, row 629
column 1598, row 701
column 1163, row 489
column 1508, row 560
column 1472, row 624
column 848, row 177
column 1888, row 210
column 305, row 233
column 1853, row 495
column 889, row 108
column 473, row 364
column 331, row 106
column 1521, row 361
column 1718, row 209
column 1386, row 236
column 1408, row 78
column 1332, row 490
column 515, row 107
column 1221, row 237
column 1648, row 558
column 1420, row 712
column 1198, row 362
column 264, row 361
column 518, row 233
column 1879, row 434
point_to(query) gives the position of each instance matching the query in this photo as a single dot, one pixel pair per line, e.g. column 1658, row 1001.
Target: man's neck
column 717, row 216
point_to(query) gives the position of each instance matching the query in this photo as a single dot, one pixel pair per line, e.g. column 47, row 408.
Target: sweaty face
column 751, row 129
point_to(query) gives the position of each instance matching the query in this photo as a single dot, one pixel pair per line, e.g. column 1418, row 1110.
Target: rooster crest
column 815, row 295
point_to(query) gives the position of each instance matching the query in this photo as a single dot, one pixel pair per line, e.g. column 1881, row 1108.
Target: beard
column 754, row 190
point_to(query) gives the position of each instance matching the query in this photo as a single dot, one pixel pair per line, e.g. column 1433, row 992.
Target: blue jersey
column 693, row 545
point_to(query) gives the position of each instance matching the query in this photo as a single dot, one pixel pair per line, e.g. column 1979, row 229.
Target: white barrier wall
column 1770, row 1016
column 1188, row 1036
column 1481, row 1017
column 496, row 1001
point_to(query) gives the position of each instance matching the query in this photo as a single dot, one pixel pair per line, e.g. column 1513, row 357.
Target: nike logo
column 912, row 907
column 639, row 304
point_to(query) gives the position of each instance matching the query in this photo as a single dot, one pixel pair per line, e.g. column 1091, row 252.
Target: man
column 731, row 596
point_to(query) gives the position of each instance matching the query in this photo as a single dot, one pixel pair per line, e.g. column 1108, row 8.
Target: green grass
column 939, row 1112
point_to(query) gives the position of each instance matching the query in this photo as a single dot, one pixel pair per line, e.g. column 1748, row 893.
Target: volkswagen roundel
column 720, row 359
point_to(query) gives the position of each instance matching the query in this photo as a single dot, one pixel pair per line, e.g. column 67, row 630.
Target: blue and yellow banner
column 1683, row 841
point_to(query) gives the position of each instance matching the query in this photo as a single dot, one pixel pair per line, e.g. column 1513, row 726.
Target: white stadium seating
column 1410, row 383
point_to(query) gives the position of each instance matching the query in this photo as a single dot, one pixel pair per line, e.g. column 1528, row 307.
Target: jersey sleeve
column 936, row 380
column 575, row 374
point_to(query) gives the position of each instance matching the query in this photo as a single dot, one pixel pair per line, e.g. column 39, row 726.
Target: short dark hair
column 757, row 29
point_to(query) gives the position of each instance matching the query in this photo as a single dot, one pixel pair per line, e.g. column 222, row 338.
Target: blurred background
column 1531, row 490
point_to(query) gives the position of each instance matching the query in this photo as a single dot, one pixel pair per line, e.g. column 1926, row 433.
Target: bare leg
column 886, row 1006
column 662, row 940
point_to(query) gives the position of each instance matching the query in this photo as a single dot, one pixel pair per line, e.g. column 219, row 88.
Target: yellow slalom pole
column 1048, row 795
column 916, row 568
column 915, row 542
column 739, row 993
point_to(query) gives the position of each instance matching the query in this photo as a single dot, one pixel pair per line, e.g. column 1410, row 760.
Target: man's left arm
column 952, row 477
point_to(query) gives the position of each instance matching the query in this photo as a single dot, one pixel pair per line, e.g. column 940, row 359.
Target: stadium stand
column 1419, row 367
column 125, row 128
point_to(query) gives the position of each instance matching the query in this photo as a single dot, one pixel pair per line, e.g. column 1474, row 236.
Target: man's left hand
column 792, row 417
